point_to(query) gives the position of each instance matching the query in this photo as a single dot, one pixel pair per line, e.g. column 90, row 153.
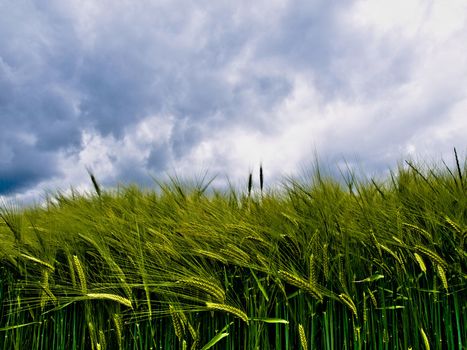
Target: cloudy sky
column 134, row 89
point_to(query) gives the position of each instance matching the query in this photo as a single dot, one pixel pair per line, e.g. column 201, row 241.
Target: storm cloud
column 140, row 89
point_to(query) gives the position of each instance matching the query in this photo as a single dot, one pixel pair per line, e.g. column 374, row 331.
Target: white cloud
column 107, row 155
column 447, row 18
column 381, row 17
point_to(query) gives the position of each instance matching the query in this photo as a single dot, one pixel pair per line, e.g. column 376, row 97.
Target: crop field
column 319, row 263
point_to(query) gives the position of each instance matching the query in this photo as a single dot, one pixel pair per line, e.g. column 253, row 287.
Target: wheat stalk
column 92, row 335
column 325, row 261
column 357, row 333
column 118, row 329
column 102, row 342
column 459, row 171
column 375, row 242
column 365, row 310
column 341, row 275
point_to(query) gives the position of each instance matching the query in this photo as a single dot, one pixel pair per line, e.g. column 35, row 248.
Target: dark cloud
column 22, row 167
column 306, row 34
column 67, row 68
column 186, row 134
column 36, row 95
column 133, row 61
column 308, row 37
column 159, row 158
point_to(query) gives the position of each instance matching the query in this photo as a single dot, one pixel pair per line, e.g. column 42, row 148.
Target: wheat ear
column 442, row 276
column 113, row 297
column 81, row 275
column 425, row 339
column 300, row 283
column 421, row 263
column 230, row 309
column 349, row 302
column 209, row 287
column 303, row 341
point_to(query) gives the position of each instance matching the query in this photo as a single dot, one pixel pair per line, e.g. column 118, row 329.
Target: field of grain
column 318, row 264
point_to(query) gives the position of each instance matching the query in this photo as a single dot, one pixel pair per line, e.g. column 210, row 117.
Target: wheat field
column 319, row 263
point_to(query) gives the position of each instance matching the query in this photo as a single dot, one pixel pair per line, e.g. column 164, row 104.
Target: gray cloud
column 268, row 74
column 159, row 158
column 21, row 166
column 36, row 97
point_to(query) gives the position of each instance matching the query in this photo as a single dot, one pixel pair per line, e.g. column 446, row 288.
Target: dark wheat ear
column 459, row 171
column 261, row 178
column 94, row 182
column 250, row 183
